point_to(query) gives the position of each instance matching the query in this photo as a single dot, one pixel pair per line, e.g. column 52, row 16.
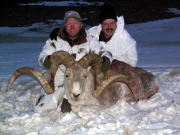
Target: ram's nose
column 76, row 90
column 76, row 95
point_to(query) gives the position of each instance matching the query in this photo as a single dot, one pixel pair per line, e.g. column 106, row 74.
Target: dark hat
column 72, row 14
column 107, row 11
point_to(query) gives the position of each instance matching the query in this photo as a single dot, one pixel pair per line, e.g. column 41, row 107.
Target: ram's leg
column 65, row 106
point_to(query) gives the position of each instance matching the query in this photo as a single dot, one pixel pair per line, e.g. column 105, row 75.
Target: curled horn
column 95, row 61
column 57, row 58
column 90, row 59
column 62, row 57
column 112, row 79
column 33, row 72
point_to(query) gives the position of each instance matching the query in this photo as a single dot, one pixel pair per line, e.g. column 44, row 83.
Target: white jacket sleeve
column 48, row 49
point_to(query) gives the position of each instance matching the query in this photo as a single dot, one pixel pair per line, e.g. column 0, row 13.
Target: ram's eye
column 85, row 76
column 67, row 76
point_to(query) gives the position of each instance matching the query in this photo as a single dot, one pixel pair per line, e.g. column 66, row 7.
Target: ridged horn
column 112, row 79
column 62, row 57
column 37, row 74
column 90, row 59
column 58, row 58
column 95, row 61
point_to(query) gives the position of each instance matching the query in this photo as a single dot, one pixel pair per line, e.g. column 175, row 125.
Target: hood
column 95, row 31
column 120, row 27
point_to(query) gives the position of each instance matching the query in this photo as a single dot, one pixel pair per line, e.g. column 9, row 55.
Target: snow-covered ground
column 158, row 45
column 62, row 3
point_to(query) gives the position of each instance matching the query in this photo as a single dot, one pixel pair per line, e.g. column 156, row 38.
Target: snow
column 62, row 3
column 158, row 45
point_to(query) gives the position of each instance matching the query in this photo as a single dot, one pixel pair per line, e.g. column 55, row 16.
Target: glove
column 53, row 34
column 105, row 65
column 47, row 62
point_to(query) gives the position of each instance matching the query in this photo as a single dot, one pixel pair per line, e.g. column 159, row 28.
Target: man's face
column 73, row 27
column 109, row 26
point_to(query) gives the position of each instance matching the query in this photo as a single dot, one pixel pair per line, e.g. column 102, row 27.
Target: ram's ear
column 63, row 68
column 89, row 68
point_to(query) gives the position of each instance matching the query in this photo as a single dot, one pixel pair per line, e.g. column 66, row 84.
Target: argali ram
column 85, row 84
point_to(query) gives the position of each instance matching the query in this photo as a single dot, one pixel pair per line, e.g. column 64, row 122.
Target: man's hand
column 47, row 62
column 105, row 65
column 53, row 34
